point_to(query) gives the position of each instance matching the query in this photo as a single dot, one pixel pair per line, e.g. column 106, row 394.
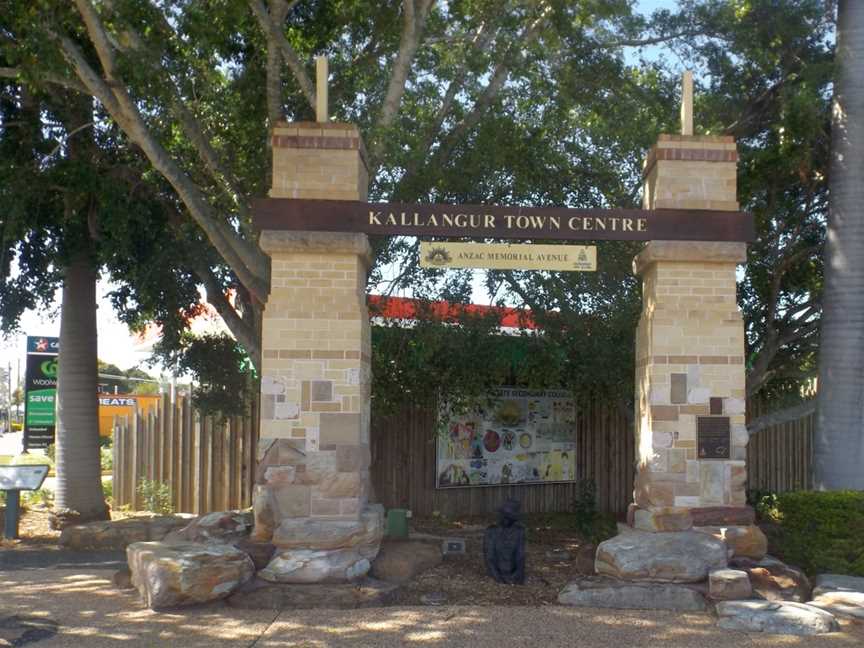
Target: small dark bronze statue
column 504, row 546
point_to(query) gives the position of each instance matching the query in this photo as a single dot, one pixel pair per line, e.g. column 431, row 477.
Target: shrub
column 108, row 491
column 156, row 496
column 32, row 460
column 592, row 525
column 106, row 459
column 41, row 497
column 821, row 531
column 764, row 502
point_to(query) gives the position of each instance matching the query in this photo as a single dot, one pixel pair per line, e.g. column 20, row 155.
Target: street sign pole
column 13, row 512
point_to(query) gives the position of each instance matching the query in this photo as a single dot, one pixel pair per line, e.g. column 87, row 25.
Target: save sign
column 40, row 385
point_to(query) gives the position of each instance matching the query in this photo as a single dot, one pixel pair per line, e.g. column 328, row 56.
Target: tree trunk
column 78, row 497
column 839, row 442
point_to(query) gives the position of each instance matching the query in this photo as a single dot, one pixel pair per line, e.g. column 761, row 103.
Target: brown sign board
column 713, row 437
column 496, row 222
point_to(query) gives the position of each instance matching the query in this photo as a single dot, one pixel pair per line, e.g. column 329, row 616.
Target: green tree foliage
column 473, row 102
column 226, row 378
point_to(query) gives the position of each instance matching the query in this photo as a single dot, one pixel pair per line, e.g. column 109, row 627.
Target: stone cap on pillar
column 299, row 242
column 689, row 251
column 319, row 161
column 318, row 135
column 691, row 172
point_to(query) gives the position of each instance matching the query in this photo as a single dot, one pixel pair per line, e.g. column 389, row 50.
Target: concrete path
column 48, row 607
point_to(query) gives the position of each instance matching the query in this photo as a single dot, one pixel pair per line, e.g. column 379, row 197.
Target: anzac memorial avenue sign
column 506, row 256
column 491, row 222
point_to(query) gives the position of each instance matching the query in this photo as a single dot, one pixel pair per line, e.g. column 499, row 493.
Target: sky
column 117, row 346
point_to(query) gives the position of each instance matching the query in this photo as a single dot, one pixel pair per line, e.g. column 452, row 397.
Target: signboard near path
column 40, row 388
column 503, row 256
column 23, row 477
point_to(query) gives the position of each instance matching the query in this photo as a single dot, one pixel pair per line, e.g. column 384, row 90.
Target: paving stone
column 610, row 593
column 773, row 617
column 840, row 595
column 263, row 595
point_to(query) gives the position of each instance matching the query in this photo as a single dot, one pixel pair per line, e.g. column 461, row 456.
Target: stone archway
column 312, row 483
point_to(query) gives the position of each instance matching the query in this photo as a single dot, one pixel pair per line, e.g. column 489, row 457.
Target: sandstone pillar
column 690, row 349
column 312, row 482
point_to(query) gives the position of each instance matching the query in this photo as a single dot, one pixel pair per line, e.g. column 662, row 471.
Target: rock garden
column 722, row 568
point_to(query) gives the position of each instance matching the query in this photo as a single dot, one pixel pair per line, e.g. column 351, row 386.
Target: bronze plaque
column 715, row 406
column 713, row 437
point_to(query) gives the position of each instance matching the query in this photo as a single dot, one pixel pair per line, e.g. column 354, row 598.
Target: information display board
column 519, row 436
column 23, row 477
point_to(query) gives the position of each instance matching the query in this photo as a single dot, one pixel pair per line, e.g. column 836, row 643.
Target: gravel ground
column 44, row 608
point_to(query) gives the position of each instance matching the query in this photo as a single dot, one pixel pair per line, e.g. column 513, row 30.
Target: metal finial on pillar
column 687, row 103
column 321, row 73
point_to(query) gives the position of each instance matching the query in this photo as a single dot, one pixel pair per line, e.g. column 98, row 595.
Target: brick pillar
column 689, row 347
column 312, row 482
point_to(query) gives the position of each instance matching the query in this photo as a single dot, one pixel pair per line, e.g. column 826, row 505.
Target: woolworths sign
column 40, row 386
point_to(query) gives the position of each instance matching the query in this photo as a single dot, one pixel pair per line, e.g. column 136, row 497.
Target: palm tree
column 78, row 496
column 839, row 443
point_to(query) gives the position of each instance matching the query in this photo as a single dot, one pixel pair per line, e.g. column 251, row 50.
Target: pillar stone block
column 690, row 337
column 315, row 375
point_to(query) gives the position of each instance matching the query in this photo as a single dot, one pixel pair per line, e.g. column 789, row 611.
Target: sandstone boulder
column 173, row 575
column 326, row 533
column 729, row 585
column 226, row 527
column 609, row 593
column 316, row 566
column 681, row 557
column 662, row 518
column 774, row 618
column 260, row 552
column 399, row 561
column 744, row 541
column 774, row 580
column 840, row 595
column 837, row 583
column 723, row 516
column 118, row 534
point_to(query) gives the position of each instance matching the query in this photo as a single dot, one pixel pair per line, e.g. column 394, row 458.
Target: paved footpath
column 75, row 605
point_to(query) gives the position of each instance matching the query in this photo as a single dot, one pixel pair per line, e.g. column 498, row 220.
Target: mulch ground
column 463, row 579
column 33, row 530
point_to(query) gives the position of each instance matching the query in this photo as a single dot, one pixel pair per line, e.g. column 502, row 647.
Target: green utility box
column 397, row 523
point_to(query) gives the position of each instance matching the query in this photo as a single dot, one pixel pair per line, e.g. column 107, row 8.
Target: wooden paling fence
column 208, row 463
column 780, row 457
column 403, row 466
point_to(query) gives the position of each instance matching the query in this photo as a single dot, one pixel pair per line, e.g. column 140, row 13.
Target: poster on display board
column 520, row 436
